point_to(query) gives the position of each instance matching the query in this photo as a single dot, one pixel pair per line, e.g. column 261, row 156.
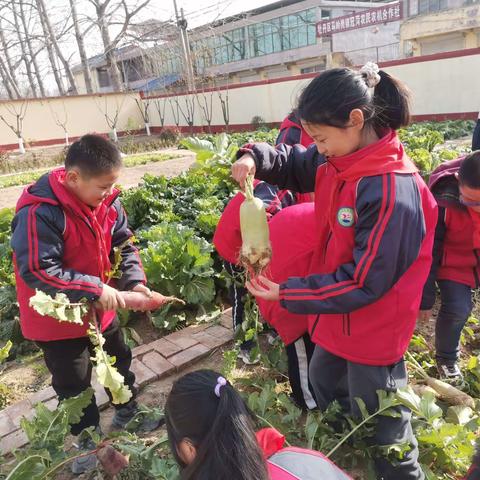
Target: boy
column 64, row 231
column 456, row 257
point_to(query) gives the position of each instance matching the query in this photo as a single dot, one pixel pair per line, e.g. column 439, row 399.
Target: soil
column 130, row 177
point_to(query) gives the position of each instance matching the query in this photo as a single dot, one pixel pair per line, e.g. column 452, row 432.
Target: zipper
column 348, row 324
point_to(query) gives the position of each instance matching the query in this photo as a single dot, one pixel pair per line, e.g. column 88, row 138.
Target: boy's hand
column 264, row 288
column 243, row 167
column 110, row 299
column 424, row 316
column 140, row 287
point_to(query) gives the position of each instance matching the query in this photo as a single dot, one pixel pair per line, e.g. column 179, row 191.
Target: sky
column 199, row 12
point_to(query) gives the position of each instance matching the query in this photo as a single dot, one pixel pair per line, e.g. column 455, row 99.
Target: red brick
column 210, row 341
column 189, row 355
column 142, row 373
column 13, row 441
column 142, row 349
column 165, row 348
column 226, row 319
column 220, row 332
column 42, row 395
column 19, row 410
column 181, row 338
column 158, row 364
column 6, row 424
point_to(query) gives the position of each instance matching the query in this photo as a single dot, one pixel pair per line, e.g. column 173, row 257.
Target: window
column 315, row 68
column 429, row 6
column 226, row 47
column 283, row 33
column 103, row 77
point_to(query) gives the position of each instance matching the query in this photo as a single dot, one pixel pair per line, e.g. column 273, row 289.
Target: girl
column 375, row 225
column 212, row 436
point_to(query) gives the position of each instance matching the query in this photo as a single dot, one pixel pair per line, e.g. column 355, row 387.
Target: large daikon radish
column 256, row 250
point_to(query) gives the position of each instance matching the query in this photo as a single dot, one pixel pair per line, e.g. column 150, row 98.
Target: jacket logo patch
column 346, row 217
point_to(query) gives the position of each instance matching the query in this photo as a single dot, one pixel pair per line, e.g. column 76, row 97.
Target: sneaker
column 86, row 463
column 272, row 337
column 124, row 415
column 245, row 354
column 450, row 372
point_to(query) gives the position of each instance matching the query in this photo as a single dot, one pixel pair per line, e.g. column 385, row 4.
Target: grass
column 129, row 161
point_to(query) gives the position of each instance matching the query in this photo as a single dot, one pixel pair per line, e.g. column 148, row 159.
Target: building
column 440, row 26
column 277, row 40
column 281, row 39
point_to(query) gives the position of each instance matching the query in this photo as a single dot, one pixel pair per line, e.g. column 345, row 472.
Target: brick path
column 151, row 362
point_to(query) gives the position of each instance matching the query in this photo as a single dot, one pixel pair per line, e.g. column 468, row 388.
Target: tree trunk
column 5, row 80
column 42, row 10
column 9, row 65
column 50, row 50
column 81, row 48
column 23, row 49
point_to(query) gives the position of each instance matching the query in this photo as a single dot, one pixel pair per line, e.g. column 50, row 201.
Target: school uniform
column 456, row 261
column 62, row 245
column 375, row 221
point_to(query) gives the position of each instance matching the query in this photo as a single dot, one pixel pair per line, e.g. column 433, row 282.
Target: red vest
column 461, row 258
column 87, row 240
column 379, row 333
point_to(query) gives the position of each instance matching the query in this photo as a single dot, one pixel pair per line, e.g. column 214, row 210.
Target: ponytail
column 330, row 97
column 391, row 100
column 220, row 427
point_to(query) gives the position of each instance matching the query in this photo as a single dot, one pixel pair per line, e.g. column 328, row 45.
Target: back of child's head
column 208, row 412
column 93, row 155
column 330, row 97
column 469, row 173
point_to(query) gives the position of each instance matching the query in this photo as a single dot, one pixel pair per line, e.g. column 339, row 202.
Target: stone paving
column 151, row 362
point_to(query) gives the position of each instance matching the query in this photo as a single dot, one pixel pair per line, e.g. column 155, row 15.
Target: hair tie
column 221, row 382
column 370, row 73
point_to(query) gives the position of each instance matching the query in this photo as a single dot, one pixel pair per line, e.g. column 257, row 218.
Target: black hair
column 469, row 173
column 220, row 428
column 93, row 155
column 330, row 97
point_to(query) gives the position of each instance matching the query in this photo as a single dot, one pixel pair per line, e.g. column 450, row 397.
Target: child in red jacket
column 64, row 232
column 375, row 227
column 456, row 257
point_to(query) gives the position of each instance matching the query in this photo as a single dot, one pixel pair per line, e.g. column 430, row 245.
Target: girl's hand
column 243, row 167
column 264, row 288
column 140, row 287
column 424, row 316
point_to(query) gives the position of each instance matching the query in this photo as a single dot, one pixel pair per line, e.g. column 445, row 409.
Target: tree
column 61, row 120
column 17, row 111
column 143, row 107
column 29, row 58
column 81, row 47
column 111, row 117
column 106, row 15
column 9, row 75
column 52, row 43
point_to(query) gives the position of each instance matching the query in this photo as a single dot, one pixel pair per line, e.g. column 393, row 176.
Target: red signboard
column 373, row 16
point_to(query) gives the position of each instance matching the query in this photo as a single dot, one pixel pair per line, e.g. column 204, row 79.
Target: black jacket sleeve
column 37, row 242
column 289, row 167
column 389, row 232
column 130, row 266
column 430, row 288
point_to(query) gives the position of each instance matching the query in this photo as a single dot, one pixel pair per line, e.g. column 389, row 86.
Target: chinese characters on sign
column 365, row 18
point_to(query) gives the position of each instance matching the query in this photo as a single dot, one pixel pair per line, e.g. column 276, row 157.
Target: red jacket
column 62, row 245
column 375, row 225
column 292, row 132
column 294, row 463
